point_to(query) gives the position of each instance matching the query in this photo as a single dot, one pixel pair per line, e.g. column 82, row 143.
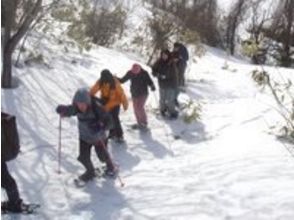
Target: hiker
column 93, row 122
column 9, row 151
column 181, row 57
column 140, row 81
column 166, row 72
column 112, row 96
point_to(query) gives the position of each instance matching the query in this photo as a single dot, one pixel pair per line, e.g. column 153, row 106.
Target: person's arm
column 123, row 97
column 150, row 81
column 125, row 78
column 95, row 88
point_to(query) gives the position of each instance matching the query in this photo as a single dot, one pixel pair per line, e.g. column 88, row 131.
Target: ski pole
column 59, row 146
column 122, row 184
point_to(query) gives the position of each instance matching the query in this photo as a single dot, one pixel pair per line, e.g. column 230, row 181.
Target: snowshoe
column 86, row 177
column 18, row 207
column 111, row 173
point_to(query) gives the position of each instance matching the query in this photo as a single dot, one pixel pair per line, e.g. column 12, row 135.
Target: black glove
column 61, row 109
column 153, row 88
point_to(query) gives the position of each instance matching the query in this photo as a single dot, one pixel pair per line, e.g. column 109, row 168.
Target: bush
column 283, row 96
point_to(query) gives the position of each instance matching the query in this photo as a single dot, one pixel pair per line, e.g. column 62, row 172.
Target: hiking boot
column 163, row 113
column 12, row 206
column 135, row 126
column 111, row 172
column 119, row 140
column 143, row 127
column 174, row 116
column 87, row 176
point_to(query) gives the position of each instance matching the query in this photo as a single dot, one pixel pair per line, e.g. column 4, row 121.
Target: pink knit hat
column 136, row 68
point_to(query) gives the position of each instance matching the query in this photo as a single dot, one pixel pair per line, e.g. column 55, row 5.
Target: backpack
column 184, row 52
column 101, row 114
column 9, row 137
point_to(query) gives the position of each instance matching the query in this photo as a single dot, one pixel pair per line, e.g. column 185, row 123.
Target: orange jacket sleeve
column 123, row 97
column 94, row 89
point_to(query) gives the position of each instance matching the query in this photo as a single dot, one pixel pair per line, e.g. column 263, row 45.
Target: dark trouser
column 117, row 130
column 182, row 69
column 9, row 184
column 101, row 151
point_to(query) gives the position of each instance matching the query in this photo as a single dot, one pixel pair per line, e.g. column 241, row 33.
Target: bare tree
column 234, row 19
column 281, row 30
column 18, row 15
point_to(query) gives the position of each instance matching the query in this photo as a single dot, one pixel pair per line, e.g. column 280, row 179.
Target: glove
column 152, row 88
column 61, row 109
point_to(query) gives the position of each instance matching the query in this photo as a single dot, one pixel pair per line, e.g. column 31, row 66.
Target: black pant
column 101, row 152
column 182, row 69
column 117, row 130
column 9, row 184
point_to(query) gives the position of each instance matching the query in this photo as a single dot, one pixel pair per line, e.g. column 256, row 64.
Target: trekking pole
column 122, row 184
column 59, row 146
column 165, row 130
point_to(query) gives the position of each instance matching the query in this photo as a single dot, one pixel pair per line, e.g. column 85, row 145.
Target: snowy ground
column 225, row 166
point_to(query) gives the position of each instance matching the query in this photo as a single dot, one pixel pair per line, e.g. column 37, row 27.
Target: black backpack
column 9, row 137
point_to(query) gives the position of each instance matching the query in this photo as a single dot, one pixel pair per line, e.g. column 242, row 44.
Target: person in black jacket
column 140, row 81
column 181, row 57
column 9, row 150
column 166, row 71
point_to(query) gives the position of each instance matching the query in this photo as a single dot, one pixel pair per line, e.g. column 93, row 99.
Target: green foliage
column 260, row 77
column 250, row 48
column 87, row 25
column 64, row 14
column 191, row 112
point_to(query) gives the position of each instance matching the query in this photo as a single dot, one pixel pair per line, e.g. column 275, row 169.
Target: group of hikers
column 98, row 117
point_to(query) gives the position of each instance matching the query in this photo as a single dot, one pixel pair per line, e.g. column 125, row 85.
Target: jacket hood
column 82, row 95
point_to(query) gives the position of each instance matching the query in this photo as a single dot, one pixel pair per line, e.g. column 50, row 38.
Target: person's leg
column 162, row 101
column 139, row 109
column 117, row 130
column 104, row 155
column 171, row 105
column 9, row 184
column 136, row 109
column 85, row 156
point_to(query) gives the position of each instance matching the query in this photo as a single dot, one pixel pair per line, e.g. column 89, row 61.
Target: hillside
column 225, row 166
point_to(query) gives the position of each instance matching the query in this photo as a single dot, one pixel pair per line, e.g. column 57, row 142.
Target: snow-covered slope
column 225, row 166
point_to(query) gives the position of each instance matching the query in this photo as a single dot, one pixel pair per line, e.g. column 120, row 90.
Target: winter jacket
column 139, row 82
column 93, row 123
column 166, row 72
column 183, row 53
column 110, row 97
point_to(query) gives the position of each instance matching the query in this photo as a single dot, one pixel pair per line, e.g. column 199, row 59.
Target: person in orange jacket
column 112, row 96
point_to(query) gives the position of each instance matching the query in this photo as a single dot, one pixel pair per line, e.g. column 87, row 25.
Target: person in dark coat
column 14, row 202
column 93, row 122
column 140, row 81
column 181, row 57
column 167, row 73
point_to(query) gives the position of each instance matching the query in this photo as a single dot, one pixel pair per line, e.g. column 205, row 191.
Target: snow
column 225, row 166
